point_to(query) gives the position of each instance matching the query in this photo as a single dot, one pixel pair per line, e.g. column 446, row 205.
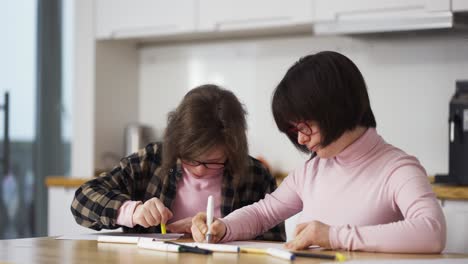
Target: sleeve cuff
column 125, row 213
column 228, row 235
column 333, row 237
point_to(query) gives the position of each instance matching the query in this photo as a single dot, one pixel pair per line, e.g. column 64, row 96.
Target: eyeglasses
column 208, row 165
column 302, row 127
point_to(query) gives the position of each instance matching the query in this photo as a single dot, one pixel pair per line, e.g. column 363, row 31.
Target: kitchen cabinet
column 456, row 215
column 227, row 15
column 459, row 5
column 117, row 19
column 61, row 221
column 61, row 191
column 360, row 16
column 290, row 226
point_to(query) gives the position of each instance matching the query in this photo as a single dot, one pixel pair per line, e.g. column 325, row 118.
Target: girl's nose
column 200, row 169
column 302, row 138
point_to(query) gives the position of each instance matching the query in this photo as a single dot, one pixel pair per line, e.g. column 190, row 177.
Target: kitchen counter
column 449, row 192
column 66, row 182
column 443, row 192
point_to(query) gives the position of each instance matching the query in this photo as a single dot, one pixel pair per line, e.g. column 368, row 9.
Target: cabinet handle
column 247, row 23
column 451, row 131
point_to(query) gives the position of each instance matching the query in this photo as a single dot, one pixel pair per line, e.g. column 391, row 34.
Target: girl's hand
column 308, row 234
column 199, row 229
column 151, row 213
column 180, row 226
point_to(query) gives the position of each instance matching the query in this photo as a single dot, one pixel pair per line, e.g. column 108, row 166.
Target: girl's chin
column 315, row 148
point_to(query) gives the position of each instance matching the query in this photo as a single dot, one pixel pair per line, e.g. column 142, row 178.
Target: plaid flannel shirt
column 138, row 178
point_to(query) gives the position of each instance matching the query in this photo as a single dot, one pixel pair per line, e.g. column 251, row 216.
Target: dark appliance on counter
column 458, row 137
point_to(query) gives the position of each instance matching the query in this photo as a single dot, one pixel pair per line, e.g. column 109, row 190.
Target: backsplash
column 410, row 80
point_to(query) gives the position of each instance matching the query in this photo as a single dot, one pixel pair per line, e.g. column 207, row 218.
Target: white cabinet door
column 334, row 9
column 143, row 18
column 456, row 215
column 459, row 5
column 60, row 218
column 360, row 16
column 226, row 15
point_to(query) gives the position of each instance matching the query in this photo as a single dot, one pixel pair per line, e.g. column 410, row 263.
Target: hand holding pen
column 151, row 213
column 200, row 229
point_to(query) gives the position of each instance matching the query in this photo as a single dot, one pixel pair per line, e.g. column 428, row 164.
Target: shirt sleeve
column 423, row 229
column 125, row 213
column 252, row 220
column 97, row 201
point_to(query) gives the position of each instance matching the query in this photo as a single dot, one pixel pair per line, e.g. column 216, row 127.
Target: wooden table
column 49, row 250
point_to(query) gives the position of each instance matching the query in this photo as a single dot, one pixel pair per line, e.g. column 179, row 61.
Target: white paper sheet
column 119, row 237
column 256, row 244
column 259, row 244
column 134, row 238
column 246, row 244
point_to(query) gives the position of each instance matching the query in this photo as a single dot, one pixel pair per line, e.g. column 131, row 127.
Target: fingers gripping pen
column 209, row 217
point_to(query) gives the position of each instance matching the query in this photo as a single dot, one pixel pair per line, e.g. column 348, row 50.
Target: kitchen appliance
column 137, row 136
column 458, row 137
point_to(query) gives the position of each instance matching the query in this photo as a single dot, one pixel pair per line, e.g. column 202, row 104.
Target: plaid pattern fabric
column 139, row 178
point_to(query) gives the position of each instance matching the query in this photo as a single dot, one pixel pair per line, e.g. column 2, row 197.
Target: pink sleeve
column 125, row 213
column 255, row 219
column 423, row 229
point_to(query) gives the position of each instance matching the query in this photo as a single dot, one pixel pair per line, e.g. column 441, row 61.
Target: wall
column 116, row 99
column 81, row 63
column 410, row 78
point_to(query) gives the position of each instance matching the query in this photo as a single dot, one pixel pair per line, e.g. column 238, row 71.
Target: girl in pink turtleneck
column 356, row 192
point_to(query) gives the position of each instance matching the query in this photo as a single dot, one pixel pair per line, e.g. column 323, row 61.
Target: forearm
column 246, row 223
column 424, row 234
column 96, row 208
column 422, row 230
column 256, row 219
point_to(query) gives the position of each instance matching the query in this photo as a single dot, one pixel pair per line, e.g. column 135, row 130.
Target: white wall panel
column 410, row 78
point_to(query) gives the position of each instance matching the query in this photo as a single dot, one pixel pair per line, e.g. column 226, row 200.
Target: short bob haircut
column 327, row 88
column 208, row 116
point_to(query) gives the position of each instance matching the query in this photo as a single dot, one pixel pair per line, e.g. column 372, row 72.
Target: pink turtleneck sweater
column 373, row 195
column 191, row 197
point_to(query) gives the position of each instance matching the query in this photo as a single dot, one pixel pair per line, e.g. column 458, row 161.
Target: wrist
column 333, row 237
column 136, row 205
column 126, row 212
column 224, row 236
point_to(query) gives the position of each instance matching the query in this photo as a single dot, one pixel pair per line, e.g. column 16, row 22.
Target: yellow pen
column 279, row 253
column 163, row 228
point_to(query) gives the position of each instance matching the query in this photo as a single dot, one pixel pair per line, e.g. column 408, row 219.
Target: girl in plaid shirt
column 204, row 152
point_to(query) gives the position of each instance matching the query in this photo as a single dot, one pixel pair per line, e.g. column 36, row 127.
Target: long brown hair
column 208, row 116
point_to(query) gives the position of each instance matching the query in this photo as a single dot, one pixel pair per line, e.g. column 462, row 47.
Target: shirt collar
column 359, row 148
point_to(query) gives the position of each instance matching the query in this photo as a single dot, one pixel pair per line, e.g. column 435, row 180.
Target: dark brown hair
column 327, row 88
column 207, row 116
